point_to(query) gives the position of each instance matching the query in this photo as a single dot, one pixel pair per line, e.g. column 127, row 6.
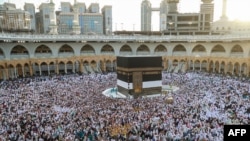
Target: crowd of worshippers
column 73, row 108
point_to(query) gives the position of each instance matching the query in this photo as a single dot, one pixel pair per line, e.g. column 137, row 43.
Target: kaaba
column 139, row 75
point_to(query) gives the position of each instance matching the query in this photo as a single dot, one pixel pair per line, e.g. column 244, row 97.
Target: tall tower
column 30, row 7
column 163, row 15
column 173, row 6
column 207, row 14
column 146, row 16
column 76, row 27
column 52, row 26
column 224, row 10
column 107, row 19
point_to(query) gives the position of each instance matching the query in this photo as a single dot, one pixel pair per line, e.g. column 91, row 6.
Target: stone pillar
column 73, row 68
column 81, row 67
column 15, row 72
column 31, row 70
column 57, row 68
column 104, row 66
column 48, row 70
column 219, row 67
column 23, row 71
column 40, row 71
column 65, row 67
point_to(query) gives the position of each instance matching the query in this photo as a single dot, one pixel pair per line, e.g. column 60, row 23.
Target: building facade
column 30, row 55
column 30, row 7
column 174, row 22
column 12, row 19
column 146, row 16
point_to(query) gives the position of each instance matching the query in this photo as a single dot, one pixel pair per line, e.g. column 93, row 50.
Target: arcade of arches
column 22, row 61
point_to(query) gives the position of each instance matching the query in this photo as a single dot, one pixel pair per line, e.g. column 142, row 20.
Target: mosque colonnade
column 28, row 59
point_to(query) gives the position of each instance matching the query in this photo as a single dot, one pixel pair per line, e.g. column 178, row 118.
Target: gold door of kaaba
column 137, row 82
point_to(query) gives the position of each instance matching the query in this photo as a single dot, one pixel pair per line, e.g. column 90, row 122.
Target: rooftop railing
column 21, row 38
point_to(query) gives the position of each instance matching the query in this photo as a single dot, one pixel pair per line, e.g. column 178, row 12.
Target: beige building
column 12, row 19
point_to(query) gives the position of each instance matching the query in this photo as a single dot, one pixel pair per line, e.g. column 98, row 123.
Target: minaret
column 224, row 10
column 52, row 26
column 76, row 28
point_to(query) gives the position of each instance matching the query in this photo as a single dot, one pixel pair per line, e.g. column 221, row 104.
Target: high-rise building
column 146, row 16
column 12, row 19
column 94, row 8
column 174, row 22
column 30, row 7
column 91, row 23
column 44, row 21
column 77, row 19
column 48, row 22
column 107, row 19
column 65, row 18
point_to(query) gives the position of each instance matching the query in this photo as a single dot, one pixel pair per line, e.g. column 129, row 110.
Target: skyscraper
column 107, row 19
column 146, row 16
column 30, row 7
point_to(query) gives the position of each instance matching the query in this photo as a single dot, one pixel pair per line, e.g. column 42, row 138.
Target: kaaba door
column 137, row 82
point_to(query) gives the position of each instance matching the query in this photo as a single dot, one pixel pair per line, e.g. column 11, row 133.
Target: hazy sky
column 126, row 13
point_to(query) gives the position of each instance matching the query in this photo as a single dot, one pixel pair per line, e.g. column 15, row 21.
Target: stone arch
column 222, row 67
column 11, row 71
column 86, row 65
column 107, row 49
column 199, row 50
column 77, row 65
column 218, row 49
column 179, row 50
column 44, row 68
column 2, row 73
column 217, row 66
column 244, row 69
column 126, row 50
column 197, row 64
column 19, row 51
column 52, row 68
column 19, row 70
column 236, row 69
column 26, row 69
column 70, row 67
column 43, row 51
column 109, row 66
column 61, row 67
column 93, row 65
column 87, row 49
column 160, row 50
column 204, row 65
column 36, row 68
column 2, row 55
column 65, row 50
column 143, row 50
column 211, row 66
column 175, row 62
column 229, row 68
column 237, row 50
